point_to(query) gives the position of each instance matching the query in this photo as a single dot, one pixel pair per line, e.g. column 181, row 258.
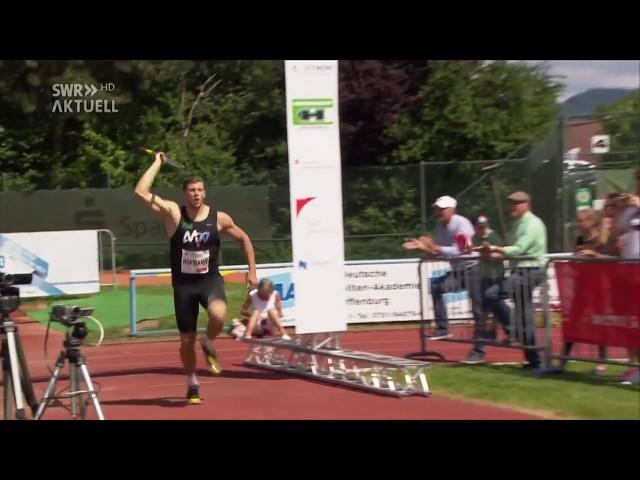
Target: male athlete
column 194, row 232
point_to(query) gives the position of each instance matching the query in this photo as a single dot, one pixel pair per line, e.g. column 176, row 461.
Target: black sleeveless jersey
column 194, row 247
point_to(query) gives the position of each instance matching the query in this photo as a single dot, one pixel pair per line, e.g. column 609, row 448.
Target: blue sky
column 581, row 75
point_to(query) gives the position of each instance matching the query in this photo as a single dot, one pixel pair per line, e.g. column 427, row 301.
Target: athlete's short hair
column 189, row 180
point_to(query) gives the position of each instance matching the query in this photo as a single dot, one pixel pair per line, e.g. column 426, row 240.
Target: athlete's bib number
column 195, row 261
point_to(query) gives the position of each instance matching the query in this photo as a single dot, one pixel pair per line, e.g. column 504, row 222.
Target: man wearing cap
column 453, row 238
column 529, row 236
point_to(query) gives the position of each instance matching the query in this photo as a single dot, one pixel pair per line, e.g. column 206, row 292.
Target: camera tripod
column 15, row 374
column 78, row 371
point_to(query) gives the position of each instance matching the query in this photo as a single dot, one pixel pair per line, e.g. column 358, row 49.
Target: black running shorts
column 187, row 295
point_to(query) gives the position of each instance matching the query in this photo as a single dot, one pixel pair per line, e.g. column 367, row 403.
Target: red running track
column 144, row 380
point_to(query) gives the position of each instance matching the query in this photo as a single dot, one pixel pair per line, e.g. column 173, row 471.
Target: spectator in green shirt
column 529, row 236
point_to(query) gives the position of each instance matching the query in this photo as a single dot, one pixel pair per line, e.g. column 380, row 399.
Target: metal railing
column 503, row 290
column 112, row 242
column 506, row 296
column 618, row 302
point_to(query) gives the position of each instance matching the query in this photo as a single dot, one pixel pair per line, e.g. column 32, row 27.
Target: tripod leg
column 15, row 375
column 27, row 386
column 73, row 387
column 82, row 397
column 7, row 385
column 92, row 392
column 9, row 407
column 78, row 401
column 50, row 387
column 83, row 404
column 81, row 400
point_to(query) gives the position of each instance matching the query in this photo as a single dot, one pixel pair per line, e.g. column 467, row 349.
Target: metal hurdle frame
column 319, row 357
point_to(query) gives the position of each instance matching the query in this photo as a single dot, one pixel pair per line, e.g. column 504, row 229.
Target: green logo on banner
column 311, row 111
column 583, row 198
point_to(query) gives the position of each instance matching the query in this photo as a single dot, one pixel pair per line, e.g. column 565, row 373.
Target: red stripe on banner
column 600, row 302
column 301, row 202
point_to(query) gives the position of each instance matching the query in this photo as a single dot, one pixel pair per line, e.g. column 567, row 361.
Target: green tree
column 225, row 120
column 475, row 110
column 465, row 110
column 373, row 94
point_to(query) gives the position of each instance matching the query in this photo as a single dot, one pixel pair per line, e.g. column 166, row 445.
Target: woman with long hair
column 594, row 234
column 592, row 242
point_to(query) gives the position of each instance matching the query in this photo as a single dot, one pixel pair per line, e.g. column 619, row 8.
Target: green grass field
column 574, row 394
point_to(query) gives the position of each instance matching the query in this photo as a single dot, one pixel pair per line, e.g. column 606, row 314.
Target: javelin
column 166, row 159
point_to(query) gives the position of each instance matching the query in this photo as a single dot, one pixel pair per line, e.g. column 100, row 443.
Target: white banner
column 63, row 263
column 382, row 292
column 388, row 291
column 316, row 194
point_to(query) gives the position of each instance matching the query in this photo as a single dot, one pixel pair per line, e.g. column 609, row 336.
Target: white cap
column 446, row 202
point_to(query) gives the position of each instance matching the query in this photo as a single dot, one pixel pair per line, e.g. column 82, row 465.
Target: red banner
column 600, row 302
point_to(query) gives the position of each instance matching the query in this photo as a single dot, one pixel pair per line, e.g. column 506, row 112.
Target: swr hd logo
column 72, row 98
column 311, row 111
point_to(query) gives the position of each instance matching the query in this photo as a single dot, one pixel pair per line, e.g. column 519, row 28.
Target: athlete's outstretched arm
column 154, row 202
column 230, row 228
